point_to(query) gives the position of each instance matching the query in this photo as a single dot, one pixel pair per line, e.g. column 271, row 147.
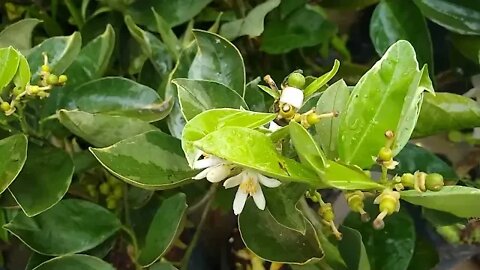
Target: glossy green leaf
column 168, row 36
column 452, row 199
column 212, row 120
column 392, row 247
column 165, row 226
column 14, row 151
column 151, row 160
column 348, row 4
column 75, row 262
column 347, row 177
column 162, row 266
column 196, row 96
column 43, row 181
column 352, row 249
column 273, row 93
column 446, row 111
column 426, row 256
column 254, row 97
column 35, row 260
column 9, row 59
column 307, row 149
column 218, row 60
column 284, row 35
column 22, row 77
column 252, row 24
column 334, row 99
column 61, row 52
column 387, row 97
column 65, row 228
column 322, row 80
column 173, row 12
column 394, row 20
column 102, row 130
column 10, row 35
column 254, row 149
column 288, row 6
column 271, row 241
column 413, row 158
column 118, row 96
column 468, row 46
column 460, row 16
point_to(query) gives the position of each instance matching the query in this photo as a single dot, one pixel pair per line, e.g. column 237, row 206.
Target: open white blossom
column 249, row 185
column 214, row 168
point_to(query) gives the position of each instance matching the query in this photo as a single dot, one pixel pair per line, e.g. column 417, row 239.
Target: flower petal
column 234, row 180
column 202, row 174
column 218, row 173
column 259, row 198
column 268, row 182
column 206, row 162
column 239, row 201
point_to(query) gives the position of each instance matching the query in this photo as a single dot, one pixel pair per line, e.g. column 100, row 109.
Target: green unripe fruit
column 117, row 192
column 5, row 106
column 385, row 154
column 434, row 182
column 296, row 80
column 104, row 188
column 62, row 78
column 111, row 203
column 408, row 180
column 52, row 79
column 388, row 204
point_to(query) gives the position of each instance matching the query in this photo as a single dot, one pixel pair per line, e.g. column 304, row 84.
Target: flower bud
column 296, row 80
column 355, row 202
column 385, row 154
column 104, row 188
column 117, row 192
column 45, row 68
column 33, row 89
column 111, row 202
column 408, row 180
column 5, row 106
column 389, row 202
column 52, row 79
column 434, row 181
column 326, row 212
column 62, row 79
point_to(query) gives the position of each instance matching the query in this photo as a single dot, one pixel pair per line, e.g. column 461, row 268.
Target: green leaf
column 273, row 93
column 348, row 4
column 271, row 241
column 394, row 20
column 413, row 158
column 253, row 149
column 173, row 12
column 252, row 24
column 65, row 228
column 347, row 177
column 102, row 130
column 425, row 256
column 288, row 6
column 209, row 121
column 387, row 97
column 446, row 111
column 168, row 36
column 460, row 16
column 43, row 181
column 306, row 148
column 10, row 35
column 9, row 60
column 196, row 96
column 321, row 81
column 392, row 247
column 75, row 262
column 22, row 77
column 468, row 46
column 14, row 151
column 334, row 99
column 165, row 226
column 118, row 96
column 162, row 266
column 254, row 98
column 218, row 60
column 451, row 199
column 352, row 249
column 152, row 160
column 283, row 35
column 61, row 52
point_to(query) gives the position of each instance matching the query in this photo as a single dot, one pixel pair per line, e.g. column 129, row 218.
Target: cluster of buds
column 111, row 190
column 355, row 201
column 388, row 203
column 419, row 181
column 325, row 211
column 385, row 156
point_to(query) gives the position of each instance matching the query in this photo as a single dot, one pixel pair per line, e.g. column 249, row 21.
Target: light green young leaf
column 346, row 177
column 22, row 77
column 321, row 81
column 152, row 160
column 273, row 93
column 14, row 151
column 307, row 149
column 451, row 199
column 75, row 262
column 218, row 60
column 196, row 96
column 9, row 59
column 168, row 36
column 10, row 35
column 252, row 24
column 387, row 97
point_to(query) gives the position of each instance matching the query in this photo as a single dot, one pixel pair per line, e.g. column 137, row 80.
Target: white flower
column 292, row 96
column 249, row 184
column 273, row 126
column 214, row 168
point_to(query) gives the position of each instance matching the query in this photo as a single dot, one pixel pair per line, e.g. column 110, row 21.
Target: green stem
column 201, row 224
column 134, row 242
column 384, row 178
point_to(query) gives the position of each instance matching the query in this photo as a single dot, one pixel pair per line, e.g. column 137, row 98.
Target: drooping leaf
column 102, row 130
column 14, row 151
column 284, row 35
column 10, row 35
column 196, row 96
column 43, row 181
column 451, row 199
column 61, row 52
column 218, row 60
column 333, row 99
column 65, row 228
column 446, row 111
column 118, row 96
column 460, row 16
column 394, row 20
column 165, row 226
column 387, row 97
column 75, row 262
column 252, row 24
column 9, row 60
column 271, row 241
column 317, row 84
column 152, row 160
column 352, row 249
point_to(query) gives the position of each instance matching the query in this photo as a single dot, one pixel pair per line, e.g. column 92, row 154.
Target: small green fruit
column 388, row 204
column 408, row 180
column 45, row 68
column 434, row 182
column 5, row 106
column 62, row 79
column 117, row 191
column 105, row 188
column 111, row 203
column 385, row 154
column 52, row 79
column 296, row 80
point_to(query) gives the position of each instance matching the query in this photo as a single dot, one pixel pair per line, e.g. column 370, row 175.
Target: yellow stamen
column 249, row 186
